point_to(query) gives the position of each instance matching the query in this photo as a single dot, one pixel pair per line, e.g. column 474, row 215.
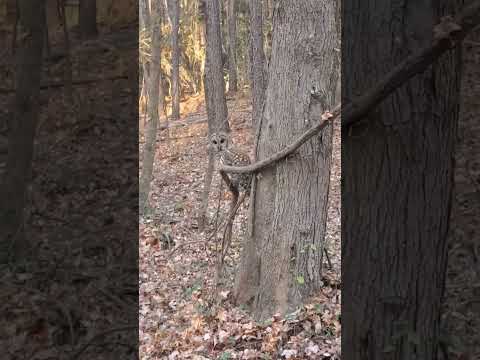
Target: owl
column 219, row 142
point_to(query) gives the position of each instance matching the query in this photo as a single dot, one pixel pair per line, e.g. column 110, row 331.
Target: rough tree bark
column 155, row 98
column 268, row 6
column 174, row 15
column 199, row 33
column 214, row 86
column 13, row 9
column 232, row 46
column 29, row 49
column 281, row 260
column 88, row 19
column 257, row 59
column 397, row 169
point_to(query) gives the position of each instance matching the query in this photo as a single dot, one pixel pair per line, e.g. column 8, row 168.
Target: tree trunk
column 144, row 12
column 232, row 46
column 174, row 12
column 281, row 261
column 144, row 17
column 46, row 46
column 154, row 99
column 216, row 102
column 268, row 28
column 397, row 172
column 214, row 87
column 15, row 24
column 22, row 128
column 68, row 70
column 257, row 56
column 88, row 19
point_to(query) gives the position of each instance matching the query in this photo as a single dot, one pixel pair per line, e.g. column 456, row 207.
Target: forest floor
column 176, row 281
column 42, row 318
column 75, row 296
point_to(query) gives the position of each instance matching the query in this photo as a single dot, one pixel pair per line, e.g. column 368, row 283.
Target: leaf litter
column 177, row 319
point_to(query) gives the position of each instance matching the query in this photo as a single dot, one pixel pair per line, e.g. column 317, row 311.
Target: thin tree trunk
column 268, row 28
column 68, row 58
column 214, row 86
column 281, row 261
column 154, row 99
column 15, row 27
column 144, row 12
column 257, row 56
column 397, row 172
column 88, row 19
column 174, row 12
column 47, row 39
column 232, row 46
column 22, row 129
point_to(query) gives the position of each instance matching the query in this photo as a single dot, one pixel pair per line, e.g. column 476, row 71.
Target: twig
column 184, row 244
column 96, row 336
column 227, row 233
column 220, row 192
column 328, row 257
column 116, row 299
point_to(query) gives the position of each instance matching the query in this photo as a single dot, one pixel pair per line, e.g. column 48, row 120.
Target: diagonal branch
column 447, row 35
column 282, row 154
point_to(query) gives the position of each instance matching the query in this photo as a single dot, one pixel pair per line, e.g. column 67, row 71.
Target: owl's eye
column 215, row 142
column 222, row 141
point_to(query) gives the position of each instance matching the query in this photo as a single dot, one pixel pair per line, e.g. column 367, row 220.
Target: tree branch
column 282, row 154
column 447, row 35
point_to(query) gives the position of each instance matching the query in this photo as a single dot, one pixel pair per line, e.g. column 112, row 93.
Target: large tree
column 282, row 256
column 397, row 168
column 232, row 45
column 257, row 58
column 22, row 127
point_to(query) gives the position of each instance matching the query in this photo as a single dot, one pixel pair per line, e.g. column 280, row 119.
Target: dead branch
column 447, row 35
column 227, row 233
column 282, row 154
column 101, row 334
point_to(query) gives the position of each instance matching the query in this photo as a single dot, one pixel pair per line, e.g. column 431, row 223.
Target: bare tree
column 397, row 166
column 282, row 256
column 232, row 46
column 257, row 59
column 22, row 128
column 88, row 19
column 174, row 15
column 214, row 86
column 156, row 97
